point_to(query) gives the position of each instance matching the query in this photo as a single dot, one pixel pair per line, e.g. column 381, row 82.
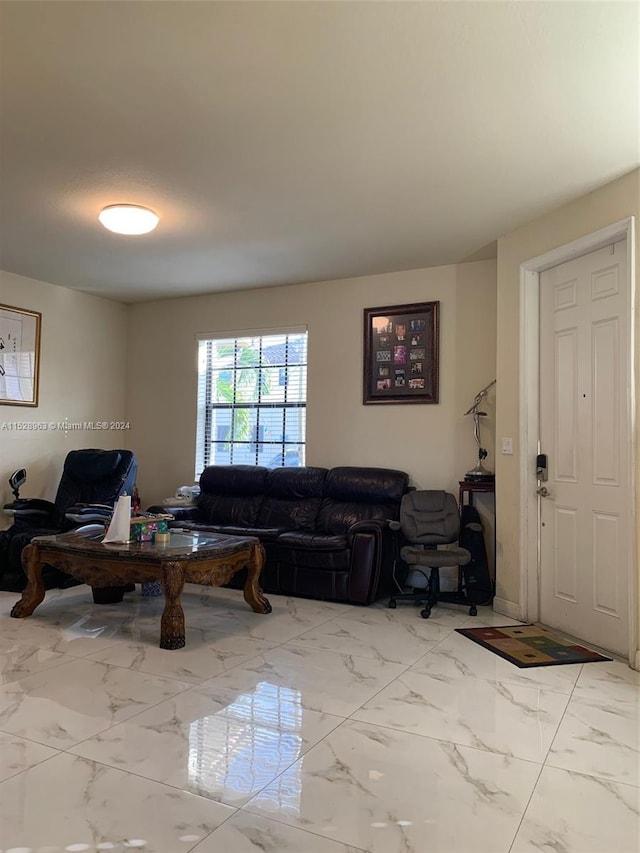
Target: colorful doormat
column 528, row 645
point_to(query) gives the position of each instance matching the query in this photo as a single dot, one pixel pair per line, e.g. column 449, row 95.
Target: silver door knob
column 543, row 491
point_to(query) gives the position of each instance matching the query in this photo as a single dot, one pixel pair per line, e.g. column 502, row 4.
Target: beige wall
column 434, row 443
column 82, row 378
column 606, row 206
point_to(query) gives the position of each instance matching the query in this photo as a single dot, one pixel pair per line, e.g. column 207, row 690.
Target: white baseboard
column 507, row 608
column 636, row 663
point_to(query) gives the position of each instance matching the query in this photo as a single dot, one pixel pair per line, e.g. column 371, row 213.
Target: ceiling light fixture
column 128, row 219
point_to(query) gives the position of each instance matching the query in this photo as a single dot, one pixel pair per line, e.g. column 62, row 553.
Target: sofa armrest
column 89, row 513
column 31, row 506
column 180, row 513
column 366, row 552
column 375, row 555
column 374, row 525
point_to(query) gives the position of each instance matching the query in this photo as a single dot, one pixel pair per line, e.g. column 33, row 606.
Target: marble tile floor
column 319, row 728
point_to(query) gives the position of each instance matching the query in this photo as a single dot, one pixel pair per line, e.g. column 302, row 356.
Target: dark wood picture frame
column 19, row 356
column 401, row 354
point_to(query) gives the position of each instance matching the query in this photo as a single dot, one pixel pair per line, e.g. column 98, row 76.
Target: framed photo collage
column 401, row 348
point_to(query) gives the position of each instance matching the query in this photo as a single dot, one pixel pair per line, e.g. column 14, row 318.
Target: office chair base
column 431, row 596
column 460, row 599
column 425, row 597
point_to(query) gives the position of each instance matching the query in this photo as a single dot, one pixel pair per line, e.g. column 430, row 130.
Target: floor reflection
column 85, row 628
column 243, row 745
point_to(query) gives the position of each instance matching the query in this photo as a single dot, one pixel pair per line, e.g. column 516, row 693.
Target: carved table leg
column 33, row 593
column 172, row 624
column 252, row 592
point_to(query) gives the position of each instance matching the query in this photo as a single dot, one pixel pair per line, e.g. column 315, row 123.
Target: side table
column 470, row 488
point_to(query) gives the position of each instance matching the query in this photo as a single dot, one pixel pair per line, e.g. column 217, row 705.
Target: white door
column 585, row 431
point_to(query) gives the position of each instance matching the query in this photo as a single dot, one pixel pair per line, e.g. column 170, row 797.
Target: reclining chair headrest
column 91, row 465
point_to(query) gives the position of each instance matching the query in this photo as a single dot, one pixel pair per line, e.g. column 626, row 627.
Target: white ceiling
column 299, row 141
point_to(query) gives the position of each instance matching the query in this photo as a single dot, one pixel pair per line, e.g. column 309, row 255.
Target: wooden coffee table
column 208, row 559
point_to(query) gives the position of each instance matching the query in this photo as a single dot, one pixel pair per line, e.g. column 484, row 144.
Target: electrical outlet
column 507, row 446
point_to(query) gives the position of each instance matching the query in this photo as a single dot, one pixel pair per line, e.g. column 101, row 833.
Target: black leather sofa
column 325, row 531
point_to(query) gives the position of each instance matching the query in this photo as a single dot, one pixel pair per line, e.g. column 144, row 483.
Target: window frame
column 206, row 439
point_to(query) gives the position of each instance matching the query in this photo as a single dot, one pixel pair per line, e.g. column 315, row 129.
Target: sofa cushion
column 313, row 551
column 369, row 485
column 231, row 494
column 292, row 498
column 265, row 534
column 360, row 494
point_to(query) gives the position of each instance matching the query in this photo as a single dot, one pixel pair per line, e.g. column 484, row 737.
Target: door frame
column 529, row 405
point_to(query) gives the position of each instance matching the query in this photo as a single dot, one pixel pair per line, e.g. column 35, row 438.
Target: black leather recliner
column 92, row 481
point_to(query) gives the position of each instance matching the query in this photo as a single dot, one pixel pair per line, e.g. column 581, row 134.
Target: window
column 252, row 397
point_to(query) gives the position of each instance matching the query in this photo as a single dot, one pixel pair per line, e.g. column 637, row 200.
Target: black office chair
column 429, row 519
column 91, row 482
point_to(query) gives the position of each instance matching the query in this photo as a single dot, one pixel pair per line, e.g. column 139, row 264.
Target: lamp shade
column 128, row 219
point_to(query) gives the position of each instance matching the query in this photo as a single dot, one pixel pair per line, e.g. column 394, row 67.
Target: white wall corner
column 508, row 608
column 636, row 662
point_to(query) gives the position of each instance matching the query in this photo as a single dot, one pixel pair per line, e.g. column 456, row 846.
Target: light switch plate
column 507, row 446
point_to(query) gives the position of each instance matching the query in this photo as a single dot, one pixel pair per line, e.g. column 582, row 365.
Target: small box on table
column 144, row 527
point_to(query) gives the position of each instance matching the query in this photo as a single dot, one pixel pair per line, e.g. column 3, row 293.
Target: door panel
column 606, row 536
column 566, row 420
column 605, row 409
column 584, row 429
column 565, row 567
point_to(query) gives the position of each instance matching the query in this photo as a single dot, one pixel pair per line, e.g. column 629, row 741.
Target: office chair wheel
column 392, row 603
column 425, row 612
column 473, row 610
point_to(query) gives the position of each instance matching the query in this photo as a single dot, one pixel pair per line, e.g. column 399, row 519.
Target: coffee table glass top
column 187, row 544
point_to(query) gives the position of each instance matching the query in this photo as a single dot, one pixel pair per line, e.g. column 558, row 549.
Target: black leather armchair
column 92, row 481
